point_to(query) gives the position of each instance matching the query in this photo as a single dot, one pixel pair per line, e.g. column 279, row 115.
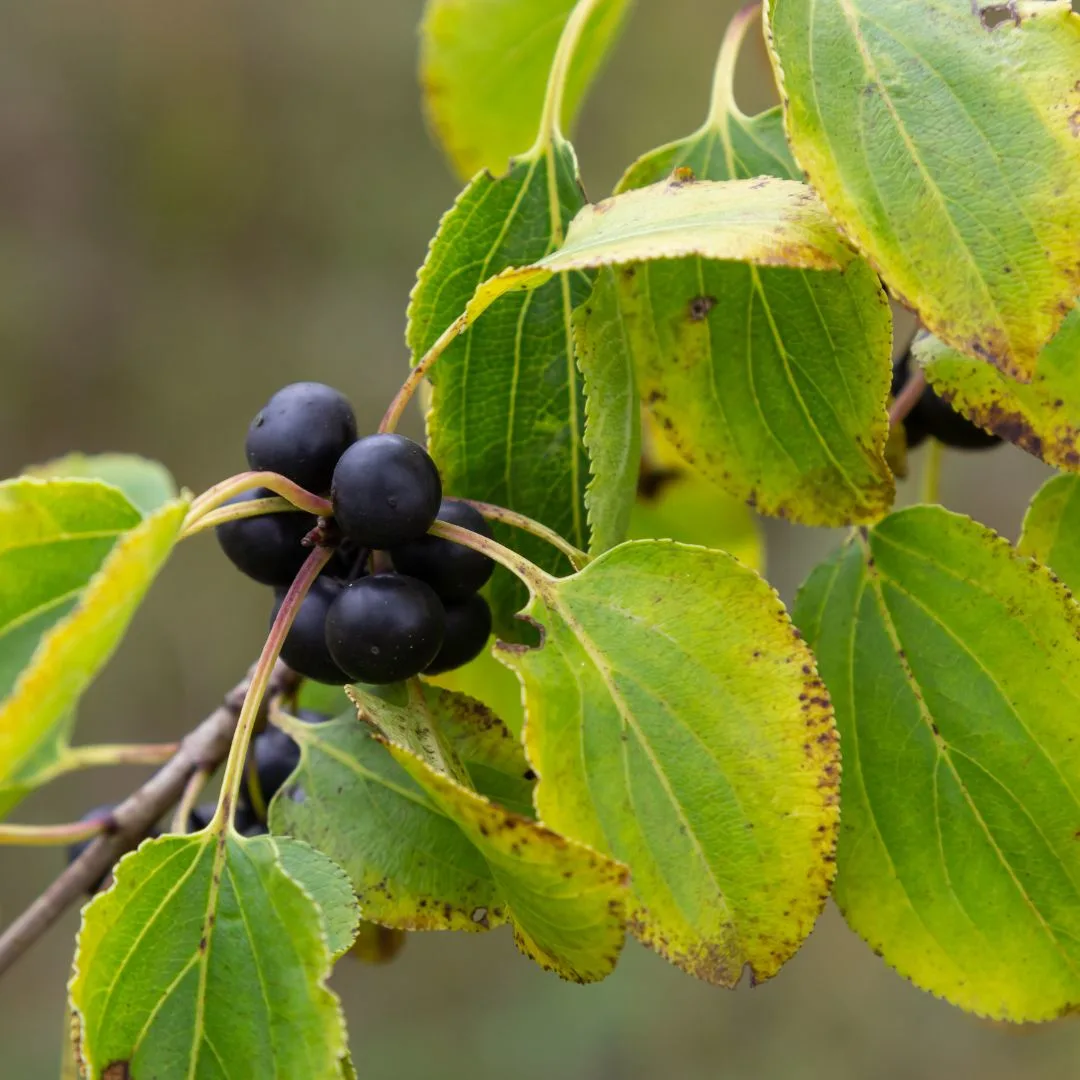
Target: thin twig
column 205, row 747
column 192, row 790
column 907, row 399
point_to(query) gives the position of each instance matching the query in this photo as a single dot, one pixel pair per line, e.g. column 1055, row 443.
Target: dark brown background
column 202, row 201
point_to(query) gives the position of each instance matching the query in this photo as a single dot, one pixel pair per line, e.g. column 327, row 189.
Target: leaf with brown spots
column 1041, row 416
column 954, row 663
column 205, row 959
column 946, row 146
column 1052, row 529
column 677, row 723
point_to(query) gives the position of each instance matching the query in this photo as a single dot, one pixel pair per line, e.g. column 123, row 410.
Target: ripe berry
column 468, row 627
column 305, row 648
column 385, row 628
column 452, row 570
column 301, row 432
column 932, row 417
column 267, row 548
column 386, row 491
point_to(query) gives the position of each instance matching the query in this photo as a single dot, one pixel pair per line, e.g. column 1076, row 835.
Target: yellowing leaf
column 948, row 149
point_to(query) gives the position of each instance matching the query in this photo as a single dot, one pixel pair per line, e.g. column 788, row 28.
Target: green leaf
column 148, row 485
column 677, row 723
column 612, row 413
column 76, row 559
column 425, row 852
column 490, row 683
column 453, row 733
column 948, row 152
column 566, row 902
column 205, row 959
column 954, row 664
column 484, row 67
column 1052, row 529
column 326, row 884
column 507, row 409
column 1041, row 416
column 771, row 382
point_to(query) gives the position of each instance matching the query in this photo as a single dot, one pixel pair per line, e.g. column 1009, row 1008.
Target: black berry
column 301, row 432
column 468, row 627
column 385, row 628
column 305, row 648
column 452, row 570
column 932, row 417
column 267, row 548
column 386, row 491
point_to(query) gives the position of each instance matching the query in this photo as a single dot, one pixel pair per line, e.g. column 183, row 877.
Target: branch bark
column 206, row 747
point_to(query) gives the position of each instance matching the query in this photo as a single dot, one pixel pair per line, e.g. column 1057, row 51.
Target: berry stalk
column 578, row 558
column 192, row 790
column 253, row 508
column 221, row 493
column 907, row 399
column 260, row 680
column 531, row 574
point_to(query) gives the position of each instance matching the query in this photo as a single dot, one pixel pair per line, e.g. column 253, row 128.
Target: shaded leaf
column 326, row 884
column 148, row 485
column 76, row 559
column 948, row 151
column 676, row 722
column 491, row 683
column 206, row 959
column 954, row 664
column 612, row 413
column 484, row 68
column 1041, row 416
column 771, row 382
column 1052, row 529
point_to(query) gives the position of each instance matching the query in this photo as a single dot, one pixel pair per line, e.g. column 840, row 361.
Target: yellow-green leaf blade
column 147, row 484
column 1052, row 529
column 1041, row 416
column 206, row 959
column 76, row 559
column 954, row 664
column 948, row 152
column 677, row 723
column 484, row 68
column 566, row 902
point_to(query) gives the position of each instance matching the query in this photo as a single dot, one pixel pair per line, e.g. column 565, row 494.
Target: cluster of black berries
column 362, row 621
column 932, row 417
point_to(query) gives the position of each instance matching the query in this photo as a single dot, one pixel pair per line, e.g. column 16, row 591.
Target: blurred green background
column 202, row 201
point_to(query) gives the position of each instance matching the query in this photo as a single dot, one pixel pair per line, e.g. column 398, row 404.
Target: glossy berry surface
column 305, row 648
column 385, row 628
column 452, row 570
column 301, row 432
column 934, row 418
column 386, row 491
column 468, row 627
column 267, row 548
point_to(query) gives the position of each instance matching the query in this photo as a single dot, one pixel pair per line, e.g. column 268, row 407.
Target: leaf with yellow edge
column 946, row 145
column 484, row 66
column 76, row 559
column 147, row 484
column 954, row 664
column 1051, row 531
column 677, row 722
column 207, row 959
column 1041, row 416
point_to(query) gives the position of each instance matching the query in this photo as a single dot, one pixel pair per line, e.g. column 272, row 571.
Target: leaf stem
column 192, row 790
column 255, row 791
column 551, row 117
column 723, row 89
column 239, row 511
column 85, row 757
column 529, row 573
column 423, row 366
column 578, row 558
column 221, row 493
column 931, row 472
column 907, row 399
column 52, row 835
column 260, row 680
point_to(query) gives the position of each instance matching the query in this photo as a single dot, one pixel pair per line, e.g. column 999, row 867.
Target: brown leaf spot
column 700, row 306
column 117, row 1070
